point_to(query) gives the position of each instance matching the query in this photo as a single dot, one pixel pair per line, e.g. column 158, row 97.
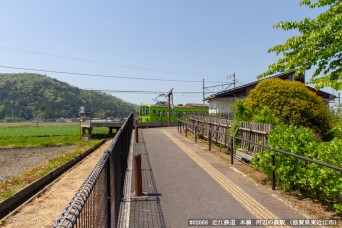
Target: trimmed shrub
column 292, row 103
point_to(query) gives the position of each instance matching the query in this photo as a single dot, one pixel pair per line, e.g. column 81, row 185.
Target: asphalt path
column 194, row 185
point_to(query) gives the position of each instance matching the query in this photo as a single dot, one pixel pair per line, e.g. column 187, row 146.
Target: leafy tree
column 318, row 45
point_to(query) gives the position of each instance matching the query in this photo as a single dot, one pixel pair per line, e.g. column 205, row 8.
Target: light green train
column 159, row 113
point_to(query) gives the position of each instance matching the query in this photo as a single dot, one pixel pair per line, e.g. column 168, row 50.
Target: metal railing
column 183, row 125
column 97, row 201
column 225, row 115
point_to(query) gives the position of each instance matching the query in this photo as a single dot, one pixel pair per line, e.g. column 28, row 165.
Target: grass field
column 17, row 136
column 38, row 131
column 40, row 124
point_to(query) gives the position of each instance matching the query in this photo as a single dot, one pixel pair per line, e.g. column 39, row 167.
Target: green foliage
column 294, row 174
column 318, row 44
column 292, row 103
column 241, row 111
column 336, row 113
column 101, row 133
column 297, row 140
column 337, row 130
column 324, row 182
column 265, row 115
column 36, row 96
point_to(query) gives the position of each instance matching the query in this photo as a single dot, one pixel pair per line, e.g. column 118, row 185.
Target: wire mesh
column 97, row 202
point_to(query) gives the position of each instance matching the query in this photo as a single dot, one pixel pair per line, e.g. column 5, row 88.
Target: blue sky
column 179, row 39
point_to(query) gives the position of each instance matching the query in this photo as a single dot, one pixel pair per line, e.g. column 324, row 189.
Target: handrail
column 97, row 202
column 268, row 147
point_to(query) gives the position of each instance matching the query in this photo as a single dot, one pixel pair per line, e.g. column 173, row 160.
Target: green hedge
column 294, row 174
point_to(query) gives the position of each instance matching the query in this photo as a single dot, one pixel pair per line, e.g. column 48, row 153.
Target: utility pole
column 80, row 115
column 219, row 88
column 203, row 91
column 169, row 94
column 234, row 80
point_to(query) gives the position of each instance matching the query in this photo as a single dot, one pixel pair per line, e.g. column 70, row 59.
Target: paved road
column 192, row 184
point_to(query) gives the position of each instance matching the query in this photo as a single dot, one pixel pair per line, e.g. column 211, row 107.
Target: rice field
column 42, row 136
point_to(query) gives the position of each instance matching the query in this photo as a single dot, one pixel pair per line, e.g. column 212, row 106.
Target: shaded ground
column 43, row 210
column 13, row 161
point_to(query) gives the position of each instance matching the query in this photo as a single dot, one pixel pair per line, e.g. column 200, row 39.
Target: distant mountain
column 30, row 96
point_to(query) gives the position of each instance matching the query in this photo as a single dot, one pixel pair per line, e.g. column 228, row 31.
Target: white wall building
column 221, row 103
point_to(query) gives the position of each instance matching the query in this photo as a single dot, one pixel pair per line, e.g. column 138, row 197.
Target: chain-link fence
column 97, row 202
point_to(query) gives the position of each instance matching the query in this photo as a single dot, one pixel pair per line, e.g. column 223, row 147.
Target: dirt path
column 27, row 158
column 43, row 210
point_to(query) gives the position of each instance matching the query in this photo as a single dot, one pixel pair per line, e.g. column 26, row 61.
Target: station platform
column 185, row 185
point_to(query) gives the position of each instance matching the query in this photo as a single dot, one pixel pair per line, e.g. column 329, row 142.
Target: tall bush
column 241, row 111
column 265, row 115
column 294, row 174
column 292, row 103
column 296, row 140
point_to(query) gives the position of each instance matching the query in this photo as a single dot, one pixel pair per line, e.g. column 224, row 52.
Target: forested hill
column 29, row 96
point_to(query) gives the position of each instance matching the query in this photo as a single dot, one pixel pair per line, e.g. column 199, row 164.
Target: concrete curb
column 10, row 204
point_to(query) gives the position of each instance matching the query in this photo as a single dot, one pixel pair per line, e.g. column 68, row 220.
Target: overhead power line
column 108, row 90
column 143, row 92
column 112, row 90
column 97, row 62
column 103, row 76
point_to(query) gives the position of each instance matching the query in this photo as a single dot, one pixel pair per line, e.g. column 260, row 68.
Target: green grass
column 100, row 133
column 17, row 137
column 39, row 131
column 43, row 136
